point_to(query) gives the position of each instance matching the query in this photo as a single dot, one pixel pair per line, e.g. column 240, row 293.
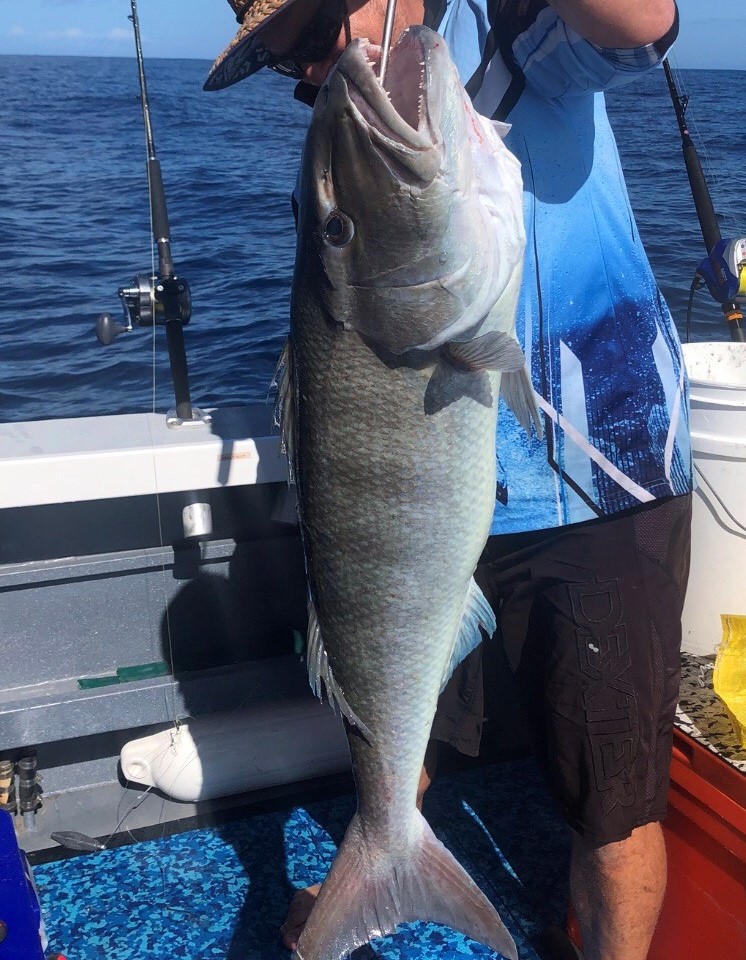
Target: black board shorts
column 590, row 621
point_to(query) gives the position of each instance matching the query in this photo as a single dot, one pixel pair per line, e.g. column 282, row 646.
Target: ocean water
column 74, row 221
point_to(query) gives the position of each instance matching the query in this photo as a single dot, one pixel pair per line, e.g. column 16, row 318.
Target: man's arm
column 617, row 23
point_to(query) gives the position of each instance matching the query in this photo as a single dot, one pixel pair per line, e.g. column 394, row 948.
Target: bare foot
column 300, row 910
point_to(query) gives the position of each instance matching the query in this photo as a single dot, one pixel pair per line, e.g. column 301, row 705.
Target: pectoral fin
column 447, row 384
column 461, row 370
column 491, row 351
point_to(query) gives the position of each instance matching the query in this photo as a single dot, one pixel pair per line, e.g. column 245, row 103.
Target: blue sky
column 201, row 28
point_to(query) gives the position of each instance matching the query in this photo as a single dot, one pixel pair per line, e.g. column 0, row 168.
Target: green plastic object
column 89, row 683
column 142, row 671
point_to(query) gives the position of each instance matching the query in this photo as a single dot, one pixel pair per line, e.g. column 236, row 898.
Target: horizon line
column 203, row 59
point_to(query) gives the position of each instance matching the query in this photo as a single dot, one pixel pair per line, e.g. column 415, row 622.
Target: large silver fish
column 410, row 246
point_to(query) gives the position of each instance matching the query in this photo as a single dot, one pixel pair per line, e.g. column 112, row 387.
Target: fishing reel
column 148, row 301
column 724, row 271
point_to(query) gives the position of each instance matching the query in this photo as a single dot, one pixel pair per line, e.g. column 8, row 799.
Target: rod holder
column 8, row 797
column 29, row 788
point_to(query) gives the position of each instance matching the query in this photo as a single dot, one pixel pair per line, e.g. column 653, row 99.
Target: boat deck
column 221, row 893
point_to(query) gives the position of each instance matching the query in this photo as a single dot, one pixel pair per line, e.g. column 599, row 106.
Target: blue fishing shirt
column 603, row 352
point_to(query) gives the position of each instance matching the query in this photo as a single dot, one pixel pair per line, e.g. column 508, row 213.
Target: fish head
column 410, row 216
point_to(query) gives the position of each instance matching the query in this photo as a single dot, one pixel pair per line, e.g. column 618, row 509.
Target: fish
column 408, row 268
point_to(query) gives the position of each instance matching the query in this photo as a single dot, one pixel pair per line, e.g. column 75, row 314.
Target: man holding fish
column 407, row 296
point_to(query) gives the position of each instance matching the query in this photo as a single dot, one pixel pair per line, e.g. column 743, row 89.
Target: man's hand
column 617, row 23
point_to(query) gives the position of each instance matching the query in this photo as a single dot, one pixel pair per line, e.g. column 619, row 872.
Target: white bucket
column 717, row 582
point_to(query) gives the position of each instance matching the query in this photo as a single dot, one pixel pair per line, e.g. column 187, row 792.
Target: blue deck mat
column 223, row 892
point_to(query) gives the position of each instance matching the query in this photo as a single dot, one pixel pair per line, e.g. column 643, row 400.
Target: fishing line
column 170, row 703
column 132, row 808
column 78, row 841
column 166, row 884
column 172, row 706
column 161, row 297
column 72, row 840
column 149, row 153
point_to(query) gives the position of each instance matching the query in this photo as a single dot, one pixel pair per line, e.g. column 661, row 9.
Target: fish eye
column 338, row 229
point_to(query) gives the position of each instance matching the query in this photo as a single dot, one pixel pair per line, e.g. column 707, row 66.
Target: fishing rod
column 723, row 270
column 164, row 298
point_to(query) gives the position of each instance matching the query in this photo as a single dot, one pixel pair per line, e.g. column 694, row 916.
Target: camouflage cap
column 245, row 54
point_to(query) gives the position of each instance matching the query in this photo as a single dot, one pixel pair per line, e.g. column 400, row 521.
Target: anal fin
column 477, row 616
column 320, row 671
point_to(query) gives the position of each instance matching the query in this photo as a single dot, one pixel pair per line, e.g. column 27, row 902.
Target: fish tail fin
column 367, row 894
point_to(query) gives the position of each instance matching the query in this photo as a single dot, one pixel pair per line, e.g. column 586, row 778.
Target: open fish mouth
column 401, row 115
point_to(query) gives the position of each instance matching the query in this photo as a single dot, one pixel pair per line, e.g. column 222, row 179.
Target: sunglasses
column 314, row 44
